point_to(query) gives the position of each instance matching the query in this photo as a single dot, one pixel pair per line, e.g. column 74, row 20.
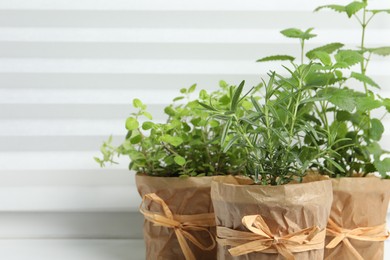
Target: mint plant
column 342, row 111
column 188, row 144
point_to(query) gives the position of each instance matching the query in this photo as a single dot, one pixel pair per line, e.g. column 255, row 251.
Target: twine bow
column 181, row 224
column 260, row 239
column 372, row 234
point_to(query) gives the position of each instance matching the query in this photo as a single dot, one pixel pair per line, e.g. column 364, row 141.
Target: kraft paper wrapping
column 359, row 202
column 286, row 209
column 189, row 196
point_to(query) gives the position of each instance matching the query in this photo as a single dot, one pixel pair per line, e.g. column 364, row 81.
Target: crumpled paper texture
column 359, row 202
column 184, row 196
column 285, row 209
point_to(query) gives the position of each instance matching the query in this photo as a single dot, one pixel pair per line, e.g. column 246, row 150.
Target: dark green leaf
column 207, row 106
column 136, row 139
column 276, row 58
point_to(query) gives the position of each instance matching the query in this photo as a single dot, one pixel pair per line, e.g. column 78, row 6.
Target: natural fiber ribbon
column 181, row 224
column 372, row 234
column 260, row 239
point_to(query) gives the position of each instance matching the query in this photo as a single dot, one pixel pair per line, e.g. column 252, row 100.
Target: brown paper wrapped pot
column 286, row 209
column 359, row 202
column 184, row 196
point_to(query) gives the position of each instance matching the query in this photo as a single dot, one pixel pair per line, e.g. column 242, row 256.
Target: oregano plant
column 187, row 144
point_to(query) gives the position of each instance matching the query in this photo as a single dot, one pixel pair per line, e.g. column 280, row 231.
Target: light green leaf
column 364, row 79
column 179, row 160
column 382, row 51
column 137, row 103
column 173, row 140
column 230, row 143
column 131, row 123
column 297, row 33
column 383, row 166
column 147, row 115
column 178, row 98
column 348, row 58
column 375, row 149
column 354, row 7
column 192, row 88
column 328, row 48
column 367, row 103
column 337, row 8
column 276, row 58
column 323, row 57
column 379, row 11
column 376, row 130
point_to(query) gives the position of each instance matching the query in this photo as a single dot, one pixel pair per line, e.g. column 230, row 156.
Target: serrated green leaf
column 354, row 7
column 147, row 125
column 348, row 57
column 131, row 123
column 367, row 103
column 323, row 57
column 382, row 51
column 376, row 130
column 383, row 166
column 364, row 79
column 328, row 48
column 337, row 8
column 379, row 11
column 297, row 33
column 179, row 160
column 192, row 88
column 342, row 98
column 276, row 58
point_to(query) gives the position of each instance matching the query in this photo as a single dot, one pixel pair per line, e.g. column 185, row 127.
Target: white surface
column 81, row 249
column 75, row 249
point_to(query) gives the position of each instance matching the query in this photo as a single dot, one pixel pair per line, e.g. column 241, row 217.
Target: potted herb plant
column 276, row 212
column 356, row 228
column 174, row 162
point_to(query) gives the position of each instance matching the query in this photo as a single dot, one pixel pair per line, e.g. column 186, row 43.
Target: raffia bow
column 260, row 239
column 372, row 234
column 181, row 224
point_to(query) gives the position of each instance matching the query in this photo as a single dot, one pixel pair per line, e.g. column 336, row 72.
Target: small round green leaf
column 147, row 125
column 131, row 123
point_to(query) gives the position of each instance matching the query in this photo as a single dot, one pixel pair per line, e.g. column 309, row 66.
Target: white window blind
column 70, row 69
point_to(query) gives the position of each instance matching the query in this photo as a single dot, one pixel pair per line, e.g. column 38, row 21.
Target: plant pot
column 286, row 210
column 185, row 198
column 359, row 203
